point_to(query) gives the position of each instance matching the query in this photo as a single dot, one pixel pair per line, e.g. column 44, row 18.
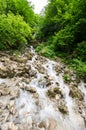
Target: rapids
column 36, row 111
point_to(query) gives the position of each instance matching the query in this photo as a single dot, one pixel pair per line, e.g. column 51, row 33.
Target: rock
column 26, row 80
column 42, row 124
column 40, row 69
column 20, row 59
column 36, row 95
column 58, row 69
column 57, row 97
column 11, row 107
column 14, row 93
column 75, row 93
column 63, row 109
column 27, row 68
column 54, row 92
column 30, row 89
column 57, row 90
column 53, row 124
column 42, row 83
column 32, row 73
column 28, row 55
column 62, row 106
column 4, row 90
column 51, row 94
column 21, row 85
column 9, row 126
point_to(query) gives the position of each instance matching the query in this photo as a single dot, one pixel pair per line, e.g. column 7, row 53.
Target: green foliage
column 80, row 68
column 67, row 78
column 63, row 40
column 40, row 47
column 21, row 7
column 81, row 50
column 63, row 28
column 46, row 51
column 14, row 32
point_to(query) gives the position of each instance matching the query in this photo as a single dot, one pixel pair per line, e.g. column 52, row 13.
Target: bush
column 67, row 78
column 40, row 47
column 81, row 50
column 80, row 68
column 14, row 32
column 63, row 40
column 46, row 51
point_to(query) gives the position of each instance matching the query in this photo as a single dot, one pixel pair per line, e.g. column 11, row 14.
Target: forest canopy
column 16, row 21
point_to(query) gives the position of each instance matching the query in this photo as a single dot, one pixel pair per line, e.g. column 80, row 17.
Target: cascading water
column 36, row 111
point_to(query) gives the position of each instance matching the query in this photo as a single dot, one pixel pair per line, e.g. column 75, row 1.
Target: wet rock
column 11, row 107
column 7, row 71
column 32, row 73
column 30, row 89
column 27, row 68
column 4, row 89
column 42, row 83
column 57, row 90
column 28, row 55
column 42, row 124
column 26, row 80
column 58, row 69
column 21, row 85
column 63, row 108
column 9, row 126
column 40, row 69
column 53, row 124
column 19, row 59
column 54, row 92
column 48, row 81
column 36, row 95
column 14, row 93
column 51, row 94
column 75, row 93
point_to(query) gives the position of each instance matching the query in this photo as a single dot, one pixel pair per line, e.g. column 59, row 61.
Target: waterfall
column 36, row 111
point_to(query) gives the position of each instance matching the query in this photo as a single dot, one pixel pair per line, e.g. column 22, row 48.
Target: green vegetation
column 67, row 78
column 14, row 31
column 16, row 21
column 63, row 29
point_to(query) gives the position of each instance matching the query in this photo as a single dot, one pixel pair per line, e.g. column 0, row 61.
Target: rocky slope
column 36, row 94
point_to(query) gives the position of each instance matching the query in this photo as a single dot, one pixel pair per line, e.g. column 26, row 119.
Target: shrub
column 81, row 50
column 46, row 51
column 67, row 78
column 80, row 68
column 14, row 32
column 63, row 40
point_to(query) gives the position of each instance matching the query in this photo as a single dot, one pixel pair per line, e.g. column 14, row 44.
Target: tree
column 14, row 32
column 21, row 7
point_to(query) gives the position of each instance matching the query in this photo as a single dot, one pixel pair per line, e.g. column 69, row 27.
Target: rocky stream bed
column 34, row 95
